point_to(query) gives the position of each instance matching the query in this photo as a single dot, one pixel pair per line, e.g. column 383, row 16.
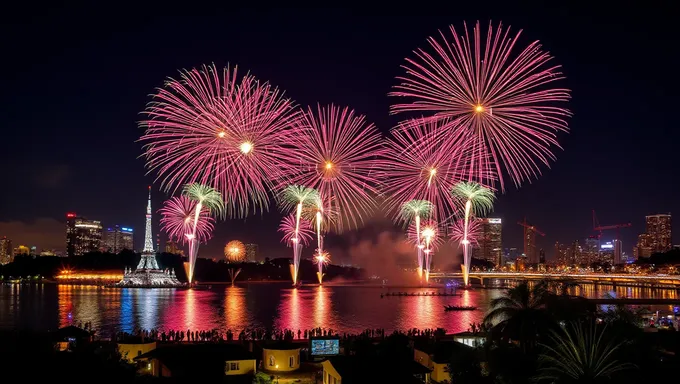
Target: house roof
column 442, row 351
column 354, row 370
column 186, row 357
column 282, row 346
column 70, row 331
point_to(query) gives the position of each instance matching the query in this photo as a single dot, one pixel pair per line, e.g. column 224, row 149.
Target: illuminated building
column 607, row 252
column 574, row 253
column 562, row 254
column 251, row 252
column 489, row 241
column 82, row 235
column 6, row 255
column 657, row 237
column 173, row 247
column 22, row 250
column 117, row 239
column 33, row 251
column 590, row 251
column 659, row 233
column 148, row 274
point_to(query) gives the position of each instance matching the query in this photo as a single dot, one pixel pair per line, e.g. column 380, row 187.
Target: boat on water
column 459, row 308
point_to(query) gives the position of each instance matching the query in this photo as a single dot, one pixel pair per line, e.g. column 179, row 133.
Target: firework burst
column 210, row 128
column 339, row 155
column 419, row 167
column 489, row 91
column 305, row 231
column 457, row 231
column 177, row 217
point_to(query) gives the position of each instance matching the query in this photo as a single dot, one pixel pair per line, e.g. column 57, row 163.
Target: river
column 350, row 309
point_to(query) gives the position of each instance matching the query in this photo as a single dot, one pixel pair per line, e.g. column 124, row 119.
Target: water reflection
column 348, row 309
column 235, row 311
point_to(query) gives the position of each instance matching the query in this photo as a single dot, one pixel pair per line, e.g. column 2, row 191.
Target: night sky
column 75, row 80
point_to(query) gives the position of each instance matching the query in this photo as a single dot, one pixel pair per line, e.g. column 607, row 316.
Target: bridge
column 594, row 278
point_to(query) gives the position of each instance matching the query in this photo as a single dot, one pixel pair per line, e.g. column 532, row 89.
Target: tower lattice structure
column 148, row 260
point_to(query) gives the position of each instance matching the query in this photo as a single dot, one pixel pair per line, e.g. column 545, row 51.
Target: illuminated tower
column 148, row 260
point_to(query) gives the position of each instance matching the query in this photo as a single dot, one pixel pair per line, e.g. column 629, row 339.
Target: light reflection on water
column 348, row 309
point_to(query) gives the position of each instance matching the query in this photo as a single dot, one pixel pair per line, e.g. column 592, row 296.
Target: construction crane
column 617, row 245
column 530, row 232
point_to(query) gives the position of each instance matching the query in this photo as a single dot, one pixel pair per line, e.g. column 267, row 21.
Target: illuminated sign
column 124, row 229
column 607, row 246
column 494, row 221
column 70, row 215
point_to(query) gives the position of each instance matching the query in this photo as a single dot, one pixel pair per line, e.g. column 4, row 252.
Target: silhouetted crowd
column 214, row 335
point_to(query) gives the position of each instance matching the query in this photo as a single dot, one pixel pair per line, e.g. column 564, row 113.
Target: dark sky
column 75, row 80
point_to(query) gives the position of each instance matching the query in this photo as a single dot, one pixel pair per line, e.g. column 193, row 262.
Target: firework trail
column 478, row 201
column 429, row 239
column 177, row 217
column 209, row 127
column 297, row 233
column 414, row 211
column 206, row 198
column 300, row 198
column 339, row 155
column 487, row 91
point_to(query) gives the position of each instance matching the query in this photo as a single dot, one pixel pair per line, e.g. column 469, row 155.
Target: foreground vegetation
column 542, row 334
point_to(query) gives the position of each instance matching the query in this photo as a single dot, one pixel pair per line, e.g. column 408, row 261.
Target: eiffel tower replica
column 148, row 274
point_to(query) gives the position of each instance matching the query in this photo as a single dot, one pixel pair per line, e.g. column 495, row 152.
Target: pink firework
column 487, row 91
column 210, row 128
column 287, row 227
column 457, row 231
column 430, row 234
column 418, row 167
column 339, row 155
column 177, row 220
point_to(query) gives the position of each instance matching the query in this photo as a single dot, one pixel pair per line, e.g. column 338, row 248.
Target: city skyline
column 596, row 71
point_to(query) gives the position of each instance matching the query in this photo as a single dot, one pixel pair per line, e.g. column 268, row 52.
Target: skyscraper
column 117, row 239
column 82, row 235
column 659, row 232
column 6, row 255
column 489, row 241
column 251, row 252
column 657, row 237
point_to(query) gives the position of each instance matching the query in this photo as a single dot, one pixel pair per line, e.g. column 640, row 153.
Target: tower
column 148, row 260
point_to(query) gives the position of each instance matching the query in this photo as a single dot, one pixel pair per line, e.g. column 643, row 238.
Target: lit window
column 234, row 366
column 291, row 361
column 271, row 361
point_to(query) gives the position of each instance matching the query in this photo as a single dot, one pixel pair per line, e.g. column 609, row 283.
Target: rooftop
column 355, row 370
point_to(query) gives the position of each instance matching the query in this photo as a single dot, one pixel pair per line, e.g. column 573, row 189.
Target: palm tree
column 580, row 354
column 520, row 314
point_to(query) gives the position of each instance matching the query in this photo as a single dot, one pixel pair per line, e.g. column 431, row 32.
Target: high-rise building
column 590, row 251
column 659, row 232
column 173, row 247
column 657, row 237
column 541, row 256
column 489, row 241
column 574, row 253
column 562, row 254
column 82, row 235
column 6, row 255
column 117, row 239
column 251, row 252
